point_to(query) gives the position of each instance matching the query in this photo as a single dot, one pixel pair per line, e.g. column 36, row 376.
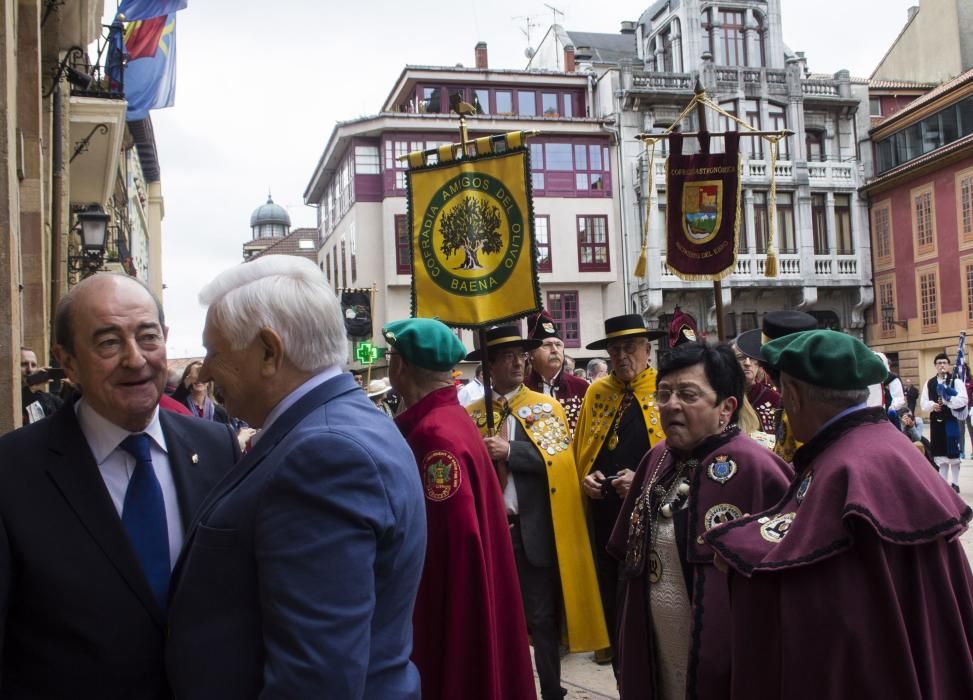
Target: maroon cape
column 759, row 479
column 568, row 390
column 765, row 401
column 862, row 589
column 470, row 637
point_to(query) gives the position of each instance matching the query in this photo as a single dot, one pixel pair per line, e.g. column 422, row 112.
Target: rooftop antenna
column 557, row 54
column 529, row 24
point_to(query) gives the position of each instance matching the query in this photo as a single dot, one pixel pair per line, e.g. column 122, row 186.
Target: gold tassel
column 642, row 266
column 771, row 268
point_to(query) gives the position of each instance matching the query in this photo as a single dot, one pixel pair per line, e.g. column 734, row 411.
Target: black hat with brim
column 776, row 324
column 503, row 337
column 626, row 326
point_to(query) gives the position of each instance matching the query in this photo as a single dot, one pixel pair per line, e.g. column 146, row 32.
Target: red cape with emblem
column 855, row 585
column 470, row 637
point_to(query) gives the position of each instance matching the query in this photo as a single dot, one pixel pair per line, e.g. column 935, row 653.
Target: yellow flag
column 473, row 257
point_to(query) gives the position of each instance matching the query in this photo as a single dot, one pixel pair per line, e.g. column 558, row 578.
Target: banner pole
column 487, row 386
column 717, row 284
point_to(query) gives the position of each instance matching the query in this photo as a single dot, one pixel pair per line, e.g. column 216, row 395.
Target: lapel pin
column 195, row 458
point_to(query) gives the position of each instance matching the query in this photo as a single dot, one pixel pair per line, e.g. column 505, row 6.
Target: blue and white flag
column 147, row 9
column 150, row 82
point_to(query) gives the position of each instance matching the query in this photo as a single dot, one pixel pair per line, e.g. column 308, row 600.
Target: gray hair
column 839, row 398
column 288, row 295
column 596, row 365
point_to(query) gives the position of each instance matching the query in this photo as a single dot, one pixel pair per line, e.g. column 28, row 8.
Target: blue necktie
column 144, row 517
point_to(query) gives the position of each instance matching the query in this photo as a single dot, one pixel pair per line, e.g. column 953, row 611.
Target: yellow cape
column 786, row 444
column 546, row 426
column 597, row 414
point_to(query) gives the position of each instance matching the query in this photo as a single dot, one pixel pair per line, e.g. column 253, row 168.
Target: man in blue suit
column 299, row 575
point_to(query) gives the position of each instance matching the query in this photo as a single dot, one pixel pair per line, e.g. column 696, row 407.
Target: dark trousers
column 540, row 590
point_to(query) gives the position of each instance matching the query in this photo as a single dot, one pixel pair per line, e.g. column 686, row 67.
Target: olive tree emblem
column 471, row 226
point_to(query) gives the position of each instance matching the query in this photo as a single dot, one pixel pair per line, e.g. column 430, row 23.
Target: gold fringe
column 770, row 269
column 642, row 265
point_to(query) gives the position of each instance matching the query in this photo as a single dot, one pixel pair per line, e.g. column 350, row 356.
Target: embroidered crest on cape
column 802, row 489
column 722, row 469
column 721, row 513
column 775, row 529
column 440, row 475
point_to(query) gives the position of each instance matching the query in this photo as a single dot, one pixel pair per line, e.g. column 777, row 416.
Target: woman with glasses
column 673, row 626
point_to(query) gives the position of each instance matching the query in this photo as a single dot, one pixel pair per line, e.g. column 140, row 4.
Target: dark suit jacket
column 533, row 500
column 299, row 577
column 77, row 617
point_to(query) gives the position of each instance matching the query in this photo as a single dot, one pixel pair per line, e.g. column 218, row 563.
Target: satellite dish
column 529, row 52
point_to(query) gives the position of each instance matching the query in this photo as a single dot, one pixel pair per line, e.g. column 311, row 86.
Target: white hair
column 287, row 294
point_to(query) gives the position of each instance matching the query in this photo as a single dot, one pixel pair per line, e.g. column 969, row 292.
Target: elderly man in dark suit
column 94, row 502
column 299, row 575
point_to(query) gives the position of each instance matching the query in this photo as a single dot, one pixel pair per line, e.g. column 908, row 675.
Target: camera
column 44, row 375
column 606, row 484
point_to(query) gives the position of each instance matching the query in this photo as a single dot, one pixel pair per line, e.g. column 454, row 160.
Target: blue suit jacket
column 299, row 576
column 77, row 617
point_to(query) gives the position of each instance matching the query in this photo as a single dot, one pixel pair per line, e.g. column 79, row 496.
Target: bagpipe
column 946, row 391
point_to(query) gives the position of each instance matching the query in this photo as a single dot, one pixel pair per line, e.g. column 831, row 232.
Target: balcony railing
column 820, row 88
column 754, row 265
column 650, row 80
column 828, row 170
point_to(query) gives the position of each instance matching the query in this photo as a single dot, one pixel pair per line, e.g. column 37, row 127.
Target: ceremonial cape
column 545, row 425
column 598, row 410
column 470, row 637
column 855, row 585
column 735, row 475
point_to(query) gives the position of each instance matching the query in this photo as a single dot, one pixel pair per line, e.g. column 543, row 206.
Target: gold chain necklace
column 643, row 523
column 613, row 431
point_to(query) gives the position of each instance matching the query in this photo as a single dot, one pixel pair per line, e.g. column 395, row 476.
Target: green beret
column 826, row 358
column 425, row 342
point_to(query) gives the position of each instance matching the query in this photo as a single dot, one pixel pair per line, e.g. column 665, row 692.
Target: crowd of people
column 733, row 520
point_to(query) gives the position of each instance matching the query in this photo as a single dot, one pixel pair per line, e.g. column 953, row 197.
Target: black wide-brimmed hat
column 776, row 324
column 627, row 326
column 503, row 337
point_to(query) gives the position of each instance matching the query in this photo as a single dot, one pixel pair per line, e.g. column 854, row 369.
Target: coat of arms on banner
column 703, row 196
column 702, row 210
column 472, row 240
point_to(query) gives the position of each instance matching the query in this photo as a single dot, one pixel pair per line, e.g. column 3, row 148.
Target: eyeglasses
column 743, row 358
column 510, row 356
column 686, row 396
column 627, row 347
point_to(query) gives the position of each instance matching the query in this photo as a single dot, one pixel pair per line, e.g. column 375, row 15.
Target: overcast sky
column 260, row 86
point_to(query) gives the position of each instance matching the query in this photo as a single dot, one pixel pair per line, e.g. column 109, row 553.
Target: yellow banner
column 473, row 256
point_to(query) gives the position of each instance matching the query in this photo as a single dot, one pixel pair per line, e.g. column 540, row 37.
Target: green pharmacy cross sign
column 366, row 353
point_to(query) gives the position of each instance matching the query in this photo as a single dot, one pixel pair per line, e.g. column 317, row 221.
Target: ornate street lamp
column 93, row 227
column 888, row 317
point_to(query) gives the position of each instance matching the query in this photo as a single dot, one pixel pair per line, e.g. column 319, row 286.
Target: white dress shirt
column 116, row 465
column 510, row 491
column 470, row 392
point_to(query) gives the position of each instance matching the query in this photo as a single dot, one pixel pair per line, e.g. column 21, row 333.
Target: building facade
column 359, row 187
column 922, row 228
column 65, row 147
column 736, row 51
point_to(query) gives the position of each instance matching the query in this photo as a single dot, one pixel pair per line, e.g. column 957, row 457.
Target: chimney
column 481, row 55
column 628, row 27
column 911, row 12
column 569, row 59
